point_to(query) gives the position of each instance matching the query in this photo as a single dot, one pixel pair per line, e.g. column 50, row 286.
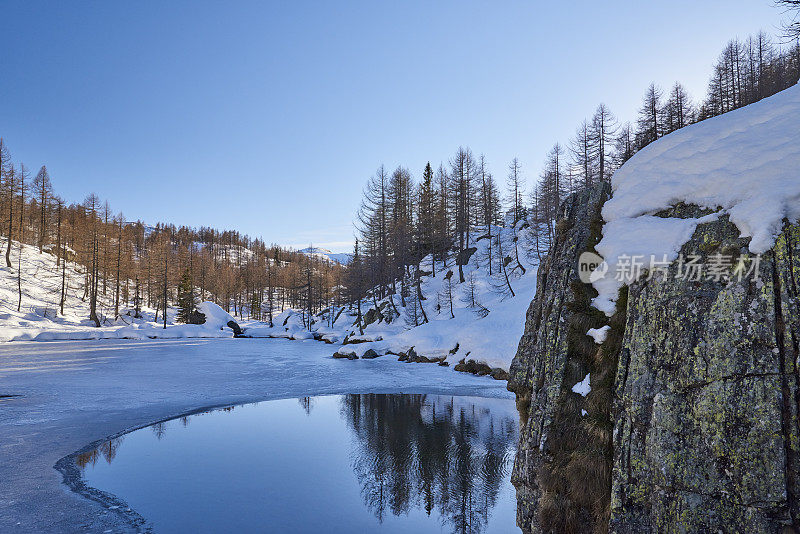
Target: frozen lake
column 72, row 394
column 390, row 463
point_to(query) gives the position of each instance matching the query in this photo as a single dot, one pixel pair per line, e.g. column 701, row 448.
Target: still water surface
column 350, row 463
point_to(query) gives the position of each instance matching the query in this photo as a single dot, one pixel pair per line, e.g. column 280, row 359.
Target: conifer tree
column 426, row 213
column 792, row 10
column 489, row 207
column 42, row 189
column 462, row 174
column 442, row 237
column 601, row 131
column 677, row 112
column 23, row 173
column 187, row 303
column 624, row 147
column 514, row 188
column 446, row 294
column 11, row 190
column 650, row 127
column 580, row 148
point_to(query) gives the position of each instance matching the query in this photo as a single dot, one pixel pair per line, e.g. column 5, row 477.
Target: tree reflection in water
column 307, row 403
column 108, row 450
column 443, row 454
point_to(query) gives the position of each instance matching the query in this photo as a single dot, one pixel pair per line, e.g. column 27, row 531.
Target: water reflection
column 107, row 450
column 432, row 453
column 307, row 403
column 418, row 463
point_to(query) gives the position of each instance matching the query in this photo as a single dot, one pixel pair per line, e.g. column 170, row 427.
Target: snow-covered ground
column 39, row 317
column 487, row 334
column 491, row 339
column 74, row 393
column 745, row 163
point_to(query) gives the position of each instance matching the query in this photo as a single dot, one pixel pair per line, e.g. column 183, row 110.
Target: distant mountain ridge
column 339, row 257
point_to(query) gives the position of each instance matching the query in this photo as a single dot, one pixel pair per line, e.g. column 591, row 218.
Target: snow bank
column 745, row 163
column 216, row 317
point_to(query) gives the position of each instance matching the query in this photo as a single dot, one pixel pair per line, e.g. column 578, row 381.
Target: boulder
column 233, row 325
column 691, row 419
column 706, row 414
column 369, row 354
column 463, row 256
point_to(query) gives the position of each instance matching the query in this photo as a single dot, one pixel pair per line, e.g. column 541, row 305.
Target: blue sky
column 268, row 118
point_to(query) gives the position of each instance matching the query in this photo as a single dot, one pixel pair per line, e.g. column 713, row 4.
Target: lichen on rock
column 700, row 392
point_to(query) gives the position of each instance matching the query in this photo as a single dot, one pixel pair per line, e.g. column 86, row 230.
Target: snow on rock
column 745, row 163
column 216, row 317
column 583, row 388
column 637, row 239
column 598, row 334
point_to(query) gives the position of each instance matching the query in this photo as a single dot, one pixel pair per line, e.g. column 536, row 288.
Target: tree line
column 128, row 265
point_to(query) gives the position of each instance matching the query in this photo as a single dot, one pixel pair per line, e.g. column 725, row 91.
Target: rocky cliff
column 691, row 423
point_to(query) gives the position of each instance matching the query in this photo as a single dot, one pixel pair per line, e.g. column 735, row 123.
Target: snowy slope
column 745, row 163
column 491, row 340
column 39, row 316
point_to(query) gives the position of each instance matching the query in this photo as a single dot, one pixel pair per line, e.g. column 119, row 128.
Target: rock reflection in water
column 437, row 453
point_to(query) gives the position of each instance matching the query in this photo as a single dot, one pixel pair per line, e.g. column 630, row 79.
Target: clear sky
column 269, row 117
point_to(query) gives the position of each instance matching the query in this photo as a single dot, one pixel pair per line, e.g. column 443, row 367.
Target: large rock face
column 705, row 411
column 545, row 369
column 692, row 422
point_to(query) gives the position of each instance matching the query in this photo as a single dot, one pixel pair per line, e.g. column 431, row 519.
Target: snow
column 643, row 237
column 491, row 340
column 745, row 163
column 583, row 388
column 599, row 334
column 216, row 317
